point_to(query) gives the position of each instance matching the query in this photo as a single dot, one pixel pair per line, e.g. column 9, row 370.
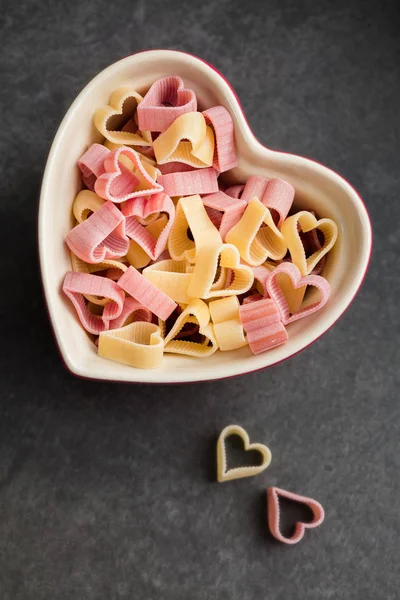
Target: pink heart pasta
column 275, row 194
column 101, row 236
column 187, row 183
column 261, row 274
column 91, row 164
column 166, row 100
column 141, row 208
column 224, row 152
column 225, row 212
column 132, row 311
column 262, row 323
column 146, row 293
column 175, row 167
column 235, row 191
column 273, row 495
column 252, row 298
column 76, row 285
column 275, row 292
column 118, row 183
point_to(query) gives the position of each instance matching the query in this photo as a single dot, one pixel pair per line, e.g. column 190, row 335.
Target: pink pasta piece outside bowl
column 317, row 188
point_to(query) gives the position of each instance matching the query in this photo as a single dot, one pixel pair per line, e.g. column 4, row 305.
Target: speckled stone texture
column 107, row 491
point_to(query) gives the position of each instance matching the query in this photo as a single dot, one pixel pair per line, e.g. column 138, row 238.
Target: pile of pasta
column 165, row 258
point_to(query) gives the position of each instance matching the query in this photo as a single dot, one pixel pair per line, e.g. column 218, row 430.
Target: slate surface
column 106, row 491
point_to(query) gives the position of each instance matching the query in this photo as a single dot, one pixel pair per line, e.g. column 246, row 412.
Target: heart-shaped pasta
column 116, row 120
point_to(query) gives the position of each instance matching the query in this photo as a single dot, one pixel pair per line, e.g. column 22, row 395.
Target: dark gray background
column 107, row 491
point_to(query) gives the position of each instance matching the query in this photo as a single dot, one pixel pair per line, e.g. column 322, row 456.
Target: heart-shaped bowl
column 317, row 188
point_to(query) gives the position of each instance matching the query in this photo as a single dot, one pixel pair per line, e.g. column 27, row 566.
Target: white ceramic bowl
column 316, row 187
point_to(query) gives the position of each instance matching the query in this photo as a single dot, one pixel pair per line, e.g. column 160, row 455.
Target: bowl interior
column 317, row 188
